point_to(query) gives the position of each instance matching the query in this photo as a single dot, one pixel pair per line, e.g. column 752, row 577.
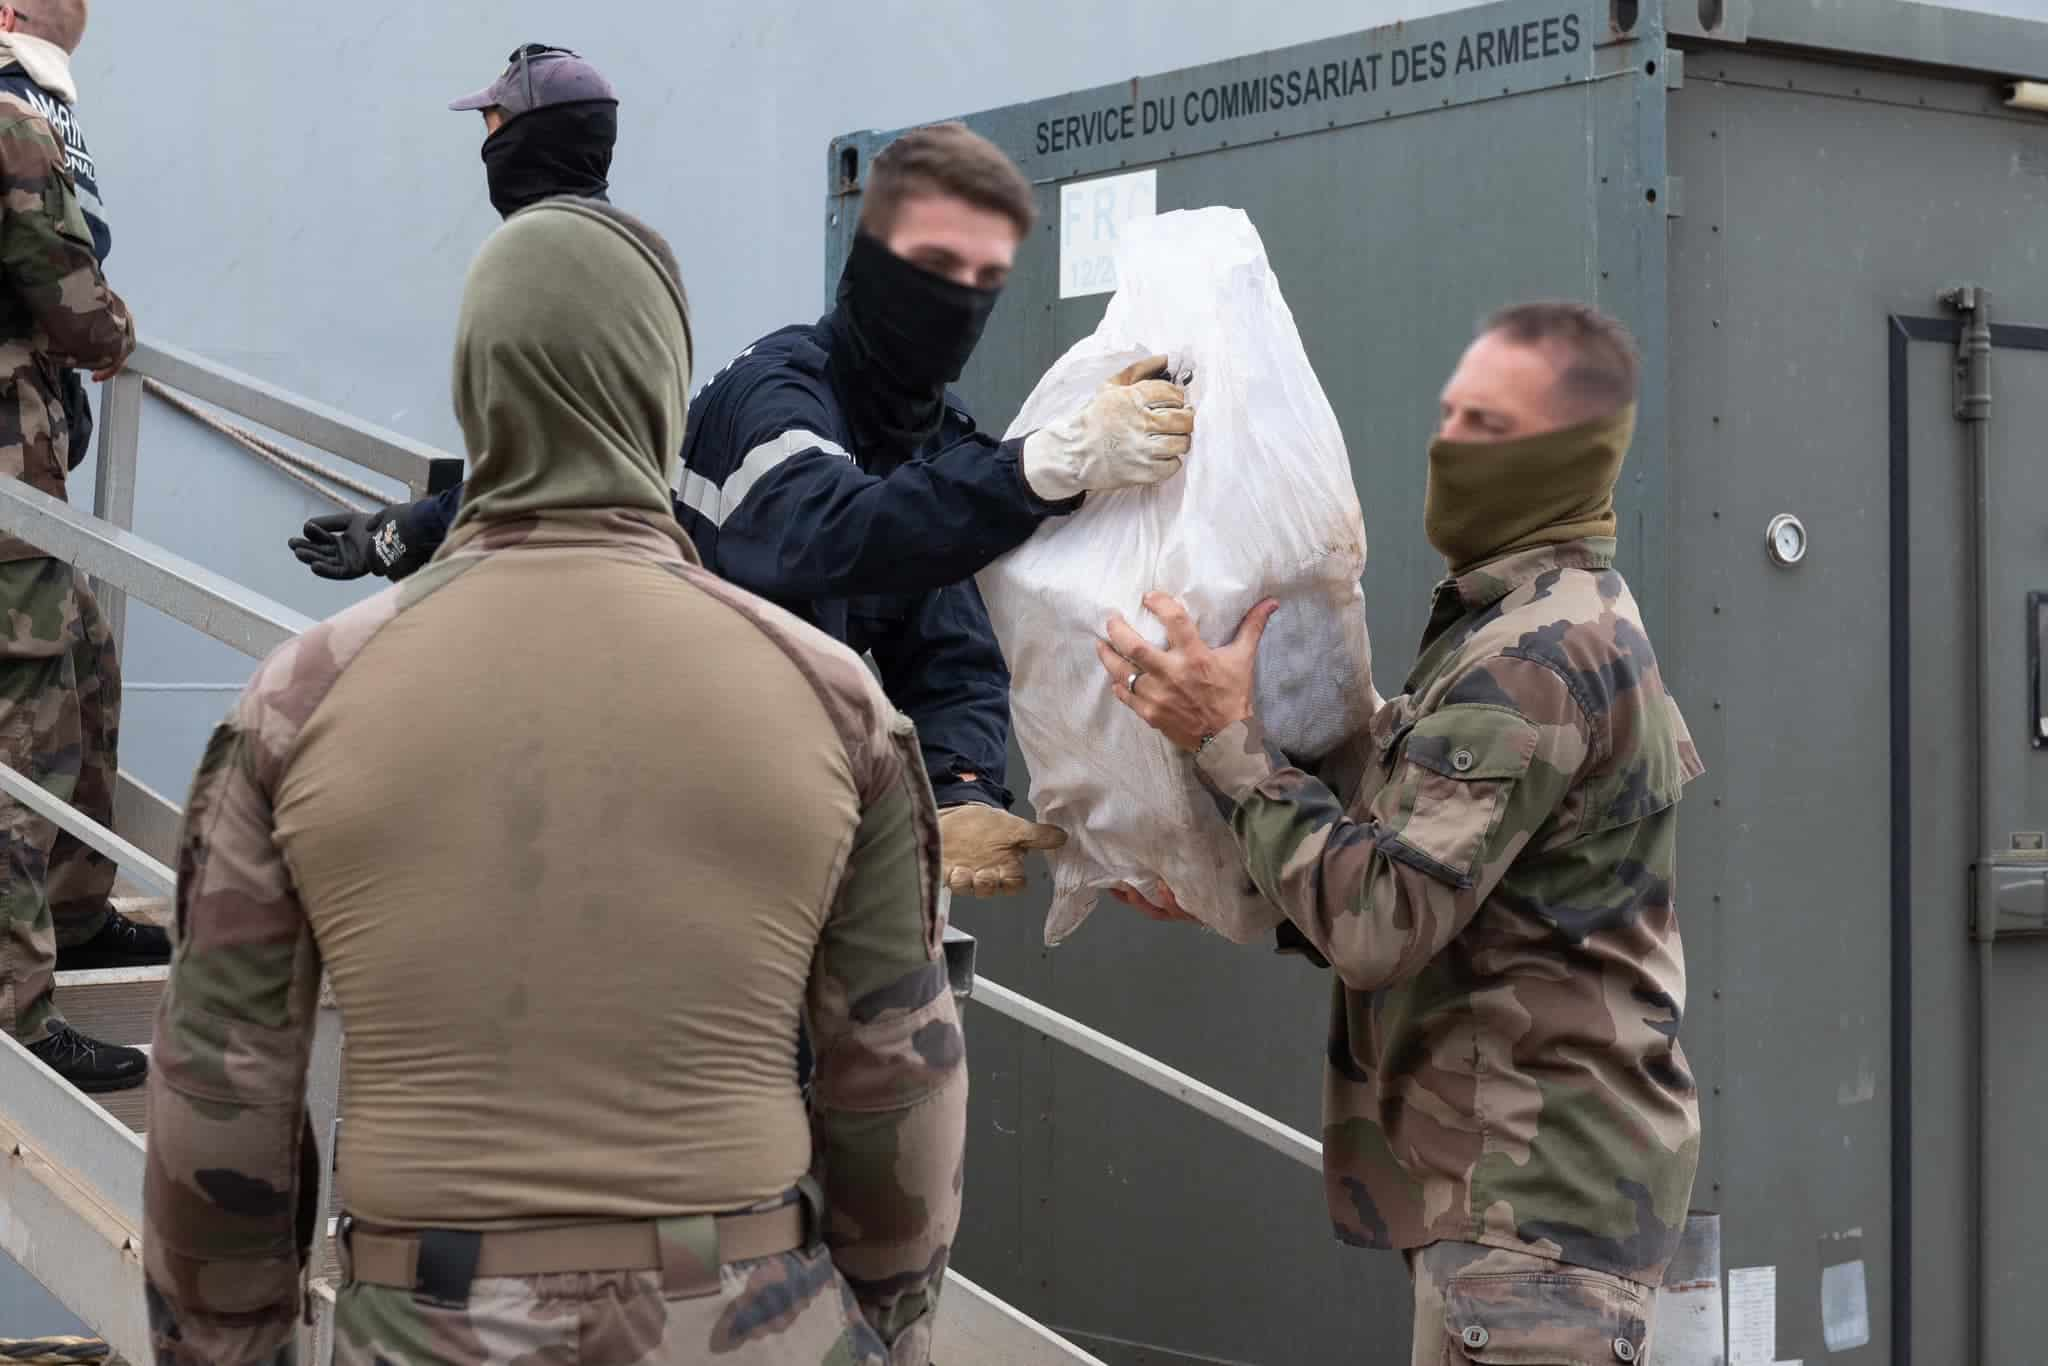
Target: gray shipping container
column 1780, row 199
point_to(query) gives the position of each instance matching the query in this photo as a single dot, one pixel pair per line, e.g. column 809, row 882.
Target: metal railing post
column 113, row 495
column 444, row 473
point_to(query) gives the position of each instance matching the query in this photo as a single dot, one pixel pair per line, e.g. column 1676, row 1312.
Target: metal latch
column 2012, row 898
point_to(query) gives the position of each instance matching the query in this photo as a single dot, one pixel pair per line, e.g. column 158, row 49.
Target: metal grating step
column 131, row 1107
column 117, row 1005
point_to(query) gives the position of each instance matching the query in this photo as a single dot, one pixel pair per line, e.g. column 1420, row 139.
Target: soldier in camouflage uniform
column 1506, row 1100
column 60, row 687
column 634, row 823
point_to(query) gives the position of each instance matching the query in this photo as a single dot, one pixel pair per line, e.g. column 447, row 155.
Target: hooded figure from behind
column 651, row 822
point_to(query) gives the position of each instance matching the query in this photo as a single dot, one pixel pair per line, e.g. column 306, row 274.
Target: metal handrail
column 87, row 831
column 411, row 462
column 219, row 606
column 420, row 467
column 1256, row 1125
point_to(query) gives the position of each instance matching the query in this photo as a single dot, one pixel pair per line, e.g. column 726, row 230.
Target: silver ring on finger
column 1131, row 684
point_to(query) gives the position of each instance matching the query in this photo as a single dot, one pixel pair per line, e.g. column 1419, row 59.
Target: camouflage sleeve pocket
column 1458, row 766
column 925, row 817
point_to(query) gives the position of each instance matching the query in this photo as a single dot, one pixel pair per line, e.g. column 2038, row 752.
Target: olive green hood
column 572, row 368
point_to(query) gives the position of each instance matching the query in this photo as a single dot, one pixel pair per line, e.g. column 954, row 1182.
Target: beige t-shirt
column 568, row 880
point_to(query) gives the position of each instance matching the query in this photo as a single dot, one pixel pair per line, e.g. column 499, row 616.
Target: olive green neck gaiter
column 572, row 369
column 1490, row 498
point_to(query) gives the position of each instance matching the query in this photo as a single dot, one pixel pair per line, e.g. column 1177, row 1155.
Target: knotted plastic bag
column 1264, row 507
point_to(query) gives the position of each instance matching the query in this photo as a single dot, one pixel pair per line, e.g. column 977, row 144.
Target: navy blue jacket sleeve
column 941, row 666
column 424, row 524
column 799, row 519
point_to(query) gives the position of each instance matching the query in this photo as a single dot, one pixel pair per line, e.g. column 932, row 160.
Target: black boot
column 121, row 943
column 87, row 1063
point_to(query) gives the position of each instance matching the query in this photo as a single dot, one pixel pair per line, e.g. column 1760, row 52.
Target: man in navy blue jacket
column 828, row 469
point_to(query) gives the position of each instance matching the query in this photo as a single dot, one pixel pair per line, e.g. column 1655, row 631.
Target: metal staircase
column 71, row 1165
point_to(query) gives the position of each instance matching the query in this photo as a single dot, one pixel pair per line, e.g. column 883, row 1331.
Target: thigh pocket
column 1551, row 1318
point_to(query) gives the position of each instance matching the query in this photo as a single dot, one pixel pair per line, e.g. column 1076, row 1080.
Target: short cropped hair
column 945, row 159
column 58, row 21
column 1598, row 366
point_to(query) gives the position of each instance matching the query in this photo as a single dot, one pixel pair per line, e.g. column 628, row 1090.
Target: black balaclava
column 554, row 150
column 901, row 335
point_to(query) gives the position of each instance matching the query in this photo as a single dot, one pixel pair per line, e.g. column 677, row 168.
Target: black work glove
column 77, row 418
column 348, row 545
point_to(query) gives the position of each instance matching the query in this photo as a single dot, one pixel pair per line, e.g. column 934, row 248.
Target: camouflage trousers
column 1485, row 1304
column 60, row 720
column 793, row 1309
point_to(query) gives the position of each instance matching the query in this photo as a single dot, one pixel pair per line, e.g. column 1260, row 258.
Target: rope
column 52, row 1351
column 286, row 462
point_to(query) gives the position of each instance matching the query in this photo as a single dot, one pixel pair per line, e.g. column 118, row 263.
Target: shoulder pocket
column 1565, row 1317
column 1458, row 766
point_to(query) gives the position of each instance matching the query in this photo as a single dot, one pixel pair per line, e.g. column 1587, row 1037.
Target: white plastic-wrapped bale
column 1265, row 507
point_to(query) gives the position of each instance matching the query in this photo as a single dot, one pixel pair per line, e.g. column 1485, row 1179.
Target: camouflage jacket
column 232, row 1176
column 57, row 312
column 1496, row 899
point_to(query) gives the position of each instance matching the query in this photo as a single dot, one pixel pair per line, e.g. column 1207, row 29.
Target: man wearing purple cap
column 550, row 120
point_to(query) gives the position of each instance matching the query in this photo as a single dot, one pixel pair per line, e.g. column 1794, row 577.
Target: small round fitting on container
column 1785, row 540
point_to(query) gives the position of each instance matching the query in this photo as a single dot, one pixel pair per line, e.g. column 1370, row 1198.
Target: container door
column 1973, row 807
column 1829, row 665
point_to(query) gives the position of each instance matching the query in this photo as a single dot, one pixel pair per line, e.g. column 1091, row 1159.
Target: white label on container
column 1688, row 1322
column 1093, row 215
column 1845, row 1306
column 1753, row 1316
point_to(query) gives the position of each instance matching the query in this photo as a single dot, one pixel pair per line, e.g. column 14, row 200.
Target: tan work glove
column 981, row 849
column 1136, row 430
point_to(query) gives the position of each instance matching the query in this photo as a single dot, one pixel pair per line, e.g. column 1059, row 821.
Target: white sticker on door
column 1093, row 215
column 1845, row 1306
column 1752, row 1316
